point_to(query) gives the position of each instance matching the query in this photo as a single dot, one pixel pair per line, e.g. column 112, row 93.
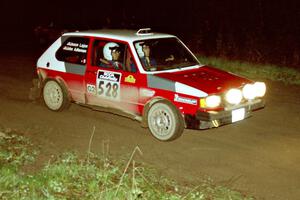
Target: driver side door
column 107, row 86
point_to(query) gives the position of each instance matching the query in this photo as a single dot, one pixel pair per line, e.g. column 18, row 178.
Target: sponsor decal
column 130, row 79
column 108, row 84
column 91, row 88
column 144, row 92
column 186, row 100
column 109, row 76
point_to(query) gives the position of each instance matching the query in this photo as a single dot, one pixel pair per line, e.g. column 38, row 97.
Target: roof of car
column 119, row 34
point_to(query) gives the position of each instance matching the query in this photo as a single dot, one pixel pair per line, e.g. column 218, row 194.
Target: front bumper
column 212, row 119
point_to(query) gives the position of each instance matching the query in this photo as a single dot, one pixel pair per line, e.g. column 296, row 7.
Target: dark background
column 259, row 31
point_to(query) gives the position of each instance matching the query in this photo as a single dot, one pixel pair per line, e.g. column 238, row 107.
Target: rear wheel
column 164, row 121
column 55, row 96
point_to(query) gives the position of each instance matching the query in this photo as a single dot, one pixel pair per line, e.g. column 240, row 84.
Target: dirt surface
column 259, row 156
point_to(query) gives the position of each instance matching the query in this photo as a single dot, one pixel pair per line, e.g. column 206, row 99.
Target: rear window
column 73, row 50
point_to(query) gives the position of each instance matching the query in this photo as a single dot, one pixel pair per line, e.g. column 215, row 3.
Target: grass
column 16, row 150
column 69, row 176
column 286, row 75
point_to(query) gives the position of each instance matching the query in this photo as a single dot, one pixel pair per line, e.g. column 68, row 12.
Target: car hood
column 207, row 79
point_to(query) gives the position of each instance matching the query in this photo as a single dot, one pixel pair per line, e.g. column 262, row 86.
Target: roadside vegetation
column 69, row 176
column 286, row 75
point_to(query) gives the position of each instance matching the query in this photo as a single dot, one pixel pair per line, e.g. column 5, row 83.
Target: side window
column 108, row 54
column 73, row 50
column 97, row 52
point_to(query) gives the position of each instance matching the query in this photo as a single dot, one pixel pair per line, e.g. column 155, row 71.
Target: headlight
column 234, row 96
column 260, row 88
column 210, row 101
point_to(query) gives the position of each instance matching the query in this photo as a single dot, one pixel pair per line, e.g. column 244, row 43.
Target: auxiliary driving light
column 234, row 96
column 249, row 91
column 260, row 88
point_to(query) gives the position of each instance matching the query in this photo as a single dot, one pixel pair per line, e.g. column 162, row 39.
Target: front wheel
column 164, row 121
column 54, row 95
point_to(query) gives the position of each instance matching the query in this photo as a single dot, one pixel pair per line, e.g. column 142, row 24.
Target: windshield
column 164, row 54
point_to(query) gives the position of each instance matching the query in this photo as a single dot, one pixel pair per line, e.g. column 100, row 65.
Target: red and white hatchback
column 151, row 77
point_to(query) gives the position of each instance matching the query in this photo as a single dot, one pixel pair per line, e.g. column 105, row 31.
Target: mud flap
column 35, row 91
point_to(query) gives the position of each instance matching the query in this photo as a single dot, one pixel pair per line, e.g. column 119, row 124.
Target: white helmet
column 139, row 49
column 108, row 49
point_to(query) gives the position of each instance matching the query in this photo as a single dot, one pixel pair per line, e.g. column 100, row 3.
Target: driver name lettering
column 76, row 47
column 80, row 45
column 80, row 50
column 71, row 44
column 68, row 48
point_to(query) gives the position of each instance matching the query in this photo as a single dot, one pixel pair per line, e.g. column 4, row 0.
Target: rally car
column 151, row 77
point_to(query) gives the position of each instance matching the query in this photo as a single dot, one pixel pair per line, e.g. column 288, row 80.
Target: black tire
column 55, row 96
column 165, row 121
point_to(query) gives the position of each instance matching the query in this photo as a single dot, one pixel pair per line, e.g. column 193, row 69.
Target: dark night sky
column 260, row 21
column 162, row 14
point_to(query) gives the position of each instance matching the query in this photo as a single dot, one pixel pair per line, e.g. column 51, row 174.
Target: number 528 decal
column 108, row 84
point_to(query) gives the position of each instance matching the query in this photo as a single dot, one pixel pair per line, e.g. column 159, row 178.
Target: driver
column 111, row 53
